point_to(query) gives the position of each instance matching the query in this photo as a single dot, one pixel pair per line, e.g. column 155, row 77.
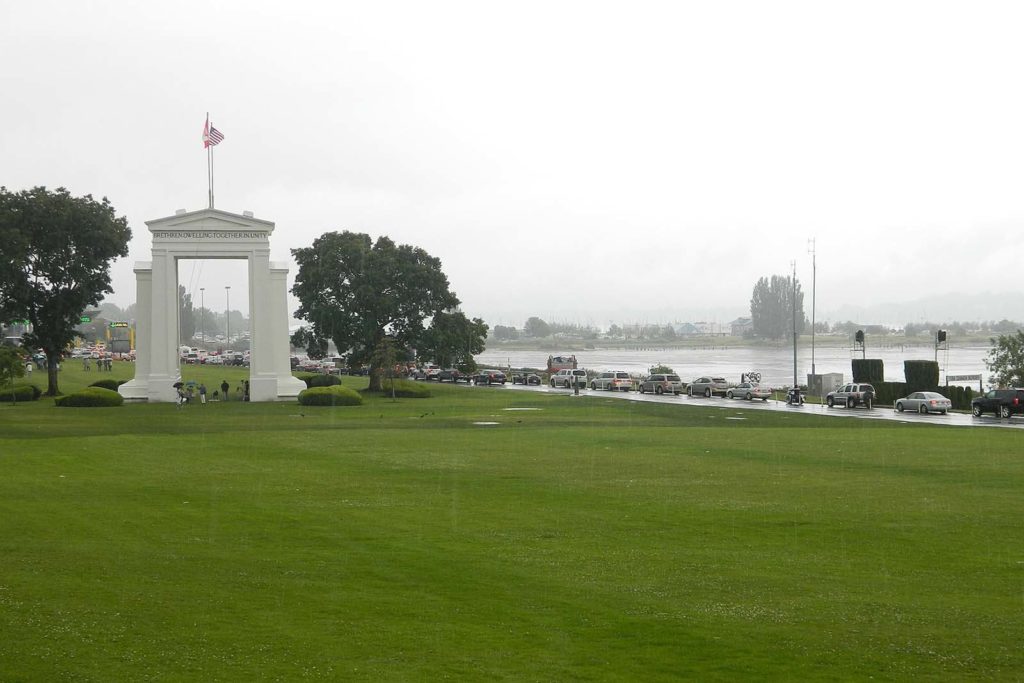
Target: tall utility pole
column 814, row 286
column 795, row 383
column 227, row 318
column 202, row 315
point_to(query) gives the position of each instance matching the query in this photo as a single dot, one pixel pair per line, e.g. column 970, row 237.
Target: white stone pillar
column 288, row 386
column 138, row 388
column 164, row 368
column 262, row 380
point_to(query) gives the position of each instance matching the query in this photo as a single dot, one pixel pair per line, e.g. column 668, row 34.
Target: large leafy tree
column 12, row 366
column 355, row 292
column 535, row 327
column 1006, row 359
column 452, row 340
column 55, row 254
column 771, row 307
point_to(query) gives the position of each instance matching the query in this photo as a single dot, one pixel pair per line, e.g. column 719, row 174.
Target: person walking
column 224, row 389
column 202, row 393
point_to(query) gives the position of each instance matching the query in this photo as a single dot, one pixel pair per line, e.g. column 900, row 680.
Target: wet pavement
column 878, row 413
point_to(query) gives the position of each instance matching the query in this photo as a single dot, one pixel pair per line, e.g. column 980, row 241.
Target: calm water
column 774, row 364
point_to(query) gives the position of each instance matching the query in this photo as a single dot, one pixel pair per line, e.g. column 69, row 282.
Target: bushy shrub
column 405, row 389
column 921, row 375
column 304, row 376
column 330, row 396
column 90, row 397
column 21, row 393
column 870, row 370
column 111, row 384
column 323, row 381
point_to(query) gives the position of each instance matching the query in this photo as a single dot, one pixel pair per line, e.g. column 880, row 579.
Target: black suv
column 999, row 402
column 851, row 396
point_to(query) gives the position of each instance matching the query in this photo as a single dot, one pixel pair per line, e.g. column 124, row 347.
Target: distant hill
column 941, row 308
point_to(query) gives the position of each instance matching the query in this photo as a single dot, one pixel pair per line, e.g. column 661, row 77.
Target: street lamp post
column 795, row 383
column 814, row 288
column 202, row 315
column 227, row 317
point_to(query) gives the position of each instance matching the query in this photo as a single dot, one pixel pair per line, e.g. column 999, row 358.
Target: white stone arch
column 210, row 234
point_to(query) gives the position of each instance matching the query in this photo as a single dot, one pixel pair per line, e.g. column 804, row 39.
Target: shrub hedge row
column 405, row 389
column 20, row 393
column 886, row 393
column 871, row 370
column 90, row 397
column 330, row 396
column 304, row 376
column 111, row 384
column 323, row 381
column 921, row 375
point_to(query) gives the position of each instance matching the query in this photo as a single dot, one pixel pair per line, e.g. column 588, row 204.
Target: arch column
column 138, row 388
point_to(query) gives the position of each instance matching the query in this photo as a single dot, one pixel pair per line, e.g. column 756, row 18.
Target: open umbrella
column 177, row 385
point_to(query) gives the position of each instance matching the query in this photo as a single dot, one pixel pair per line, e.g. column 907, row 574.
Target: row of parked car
column 1000, row 402
column 659, row 383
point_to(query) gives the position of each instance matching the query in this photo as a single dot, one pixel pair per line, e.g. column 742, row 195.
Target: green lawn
column 580, row 539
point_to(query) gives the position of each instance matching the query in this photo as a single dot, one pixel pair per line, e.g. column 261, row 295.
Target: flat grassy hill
column 483, row 534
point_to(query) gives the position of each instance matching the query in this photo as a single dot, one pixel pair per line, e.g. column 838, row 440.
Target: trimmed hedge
column 870, row 370
column 323, row 381
column 304, row 376
column 921, row 375
column 20, row 394
column 886, row 393
column 330, row 396
column 90, row 397
column 405, row 389
column 111, row 384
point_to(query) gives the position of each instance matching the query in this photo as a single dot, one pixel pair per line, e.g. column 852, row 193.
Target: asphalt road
column 951, row 419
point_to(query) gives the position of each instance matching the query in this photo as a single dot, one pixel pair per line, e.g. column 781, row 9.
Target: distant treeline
column 537, row 328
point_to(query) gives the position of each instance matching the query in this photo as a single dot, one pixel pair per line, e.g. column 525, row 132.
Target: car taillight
column 1016, row 401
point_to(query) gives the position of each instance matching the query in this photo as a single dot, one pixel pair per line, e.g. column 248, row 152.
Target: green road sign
column 119, row 323
column 86, row 319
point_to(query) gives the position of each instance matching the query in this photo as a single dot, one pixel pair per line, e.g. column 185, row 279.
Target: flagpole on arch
column 211, row 138
column 209, row 160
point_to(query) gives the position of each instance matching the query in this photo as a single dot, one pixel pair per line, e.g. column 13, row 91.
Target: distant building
column 741, row 327
column 709, row 329
column 686, row 329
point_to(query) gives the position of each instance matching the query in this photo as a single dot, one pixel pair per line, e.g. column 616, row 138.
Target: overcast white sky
column 586, row 162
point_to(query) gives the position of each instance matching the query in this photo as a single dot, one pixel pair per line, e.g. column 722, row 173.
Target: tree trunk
column 52, row 361
column 375, row 375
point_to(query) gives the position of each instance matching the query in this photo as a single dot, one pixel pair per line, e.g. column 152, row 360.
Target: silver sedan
column 749, row 391
column 925, row 402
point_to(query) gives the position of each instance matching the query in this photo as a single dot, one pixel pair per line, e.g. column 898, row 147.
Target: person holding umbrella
column 182, row 398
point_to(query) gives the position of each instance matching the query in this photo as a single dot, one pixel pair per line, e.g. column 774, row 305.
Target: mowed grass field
column 577, row 539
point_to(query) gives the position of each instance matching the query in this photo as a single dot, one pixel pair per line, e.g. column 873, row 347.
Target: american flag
column 211, row 136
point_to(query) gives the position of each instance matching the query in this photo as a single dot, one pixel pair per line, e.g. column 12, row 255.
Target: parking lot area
column 877, row 413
